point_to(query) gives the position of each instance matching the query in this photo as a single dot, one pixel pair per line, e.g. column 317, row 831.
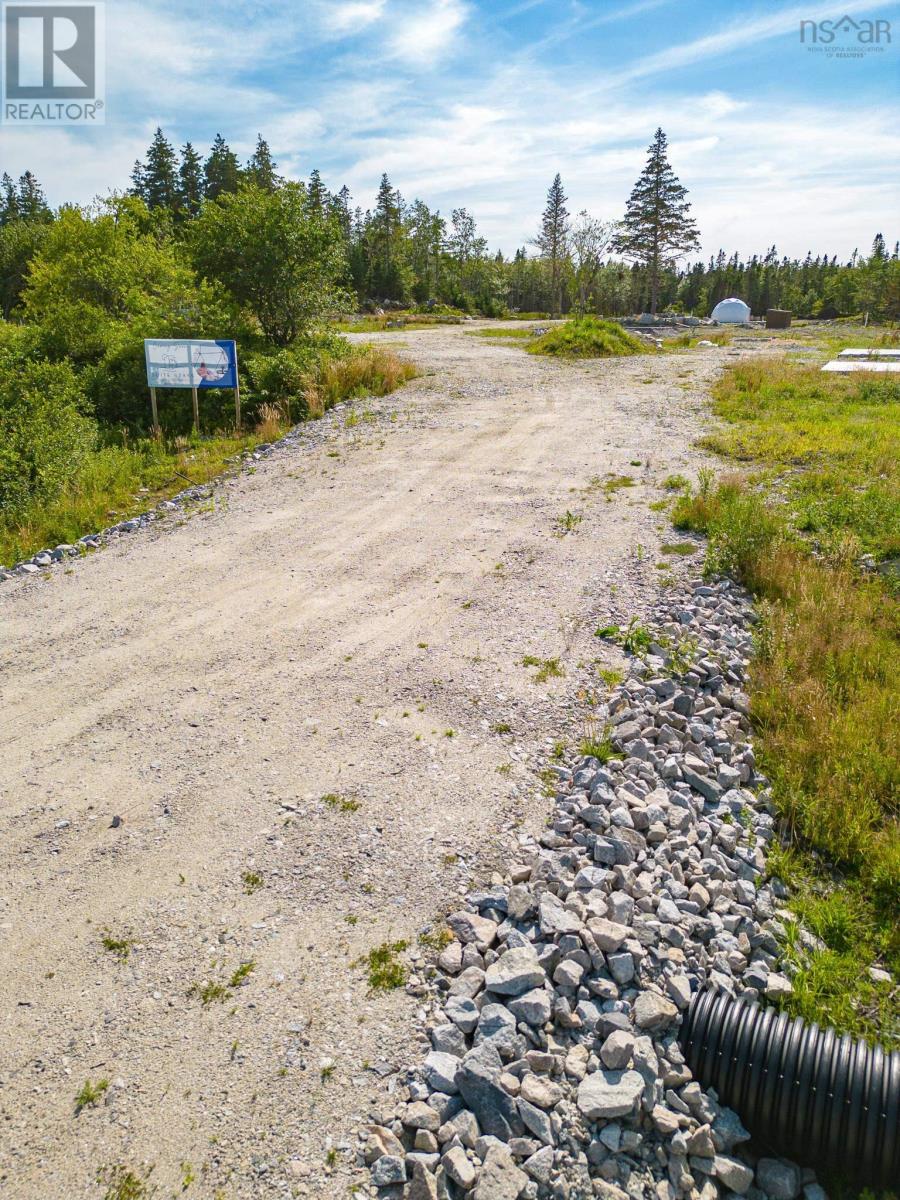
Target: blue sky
column 469, row 102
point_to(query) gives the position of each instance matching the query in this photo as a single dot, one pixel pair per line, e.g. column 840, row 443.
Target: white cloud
column 424, row 34
column 353, row 15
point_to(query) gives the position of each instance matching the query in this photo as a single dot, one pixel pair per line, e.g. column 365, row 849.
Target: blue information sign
column 190, row 363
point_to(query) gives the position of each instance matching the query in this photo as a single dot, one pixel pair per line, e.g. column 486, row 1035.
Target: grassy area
column 833, row 440
column 824, row 685
column 587, row 337
column 119, row 481
column 397, row 320
column 687, row 341
column 829, row 338
column 505, row 332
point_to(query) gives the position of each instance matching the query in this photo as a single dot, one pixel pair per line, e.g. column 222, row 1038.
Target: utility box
column 778, row 318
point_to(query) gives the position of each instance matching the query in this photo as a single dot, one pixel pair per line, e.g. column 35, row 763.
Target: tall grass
column 121, row 480
column 368, row 371
column 587, row 337
column 825, row 698
column 115, row 483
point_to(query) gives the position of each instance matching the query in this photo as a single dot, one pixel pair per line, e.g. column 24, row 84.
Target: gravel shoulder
column 317, row 630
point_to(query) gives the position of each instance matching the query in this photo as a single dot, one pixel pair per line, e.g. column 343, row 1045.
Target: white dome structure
column 731, row 312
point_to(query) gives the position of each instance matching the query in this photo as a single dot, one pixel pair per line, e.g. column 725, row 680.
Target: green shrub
column 282, row 378
column 278, row 255
column 587, row 337
column 45, row 433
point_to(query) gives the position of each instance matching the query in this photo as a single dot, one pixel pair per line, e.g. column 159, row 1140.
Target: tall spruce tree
column 339, row 206
column 261, row 169
column 316, row 193
column 221, row 170
column 31, row 202
column 388, row 276
column 138, row 184
column 552, row 241
column 657, row 228
column 160, row 174
column 9, row 201
column 190, row 182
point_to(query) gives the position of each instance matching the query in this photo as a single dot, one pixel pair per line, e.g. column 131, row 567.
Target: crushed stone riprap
column 553, row 1068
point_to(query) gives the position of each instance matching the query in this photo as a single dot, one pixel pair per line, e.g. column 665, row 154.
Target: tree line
column 400, row 252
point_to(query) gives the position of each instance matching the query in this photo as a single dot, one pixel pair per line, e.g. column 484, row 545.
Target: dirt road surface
column 346, row 621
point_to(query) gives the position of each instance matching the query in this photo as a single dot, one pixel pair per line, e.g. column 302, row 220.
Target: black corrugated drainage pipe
column 814, row 1097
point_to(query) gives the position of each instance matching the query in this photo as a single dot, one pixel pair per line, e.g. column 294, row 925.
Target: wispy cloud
column 352, row 16
column 581, row 25
column 424, row 34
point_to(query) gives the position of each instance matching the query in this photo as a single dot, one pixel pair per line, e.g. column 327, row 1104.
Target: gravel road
column 349, row 621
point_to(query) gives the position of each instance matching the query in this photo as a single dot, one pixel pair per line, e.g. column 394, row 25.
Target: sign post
column 191, row 363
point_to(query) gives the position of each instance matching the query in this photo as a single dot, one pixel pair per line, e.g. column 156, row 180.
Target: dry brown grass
column 367, row 371
column 272, row 422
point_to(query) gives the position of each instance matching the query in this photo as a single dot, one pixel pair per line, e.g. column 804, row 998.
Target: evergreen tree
column 31, row 202
column 340, row 207
column 190, row 182
column 316, row 193
column 9, row 201
column 138, row 182
column 657, row 228
column 160, row 174
column 552, row 241
column 388, row 275
column 221, row 171
column 261, row 169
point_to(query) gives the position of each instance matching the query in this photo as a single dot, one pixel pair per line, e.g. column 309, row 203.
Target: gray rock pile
column 553, row 1068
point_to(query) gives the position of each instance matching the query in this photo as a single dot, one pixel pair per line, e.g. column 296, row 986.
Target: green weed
column 123, row 1184
column 252, row 881
column 384, row 969
column 610, row 676
column 90, row 1094
column 338, row 803
column 547, row 668
column 568, row 522
column 676, row 483
column 209, row 993
column 242, row 973
column 120, row 947
column 436, row 939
